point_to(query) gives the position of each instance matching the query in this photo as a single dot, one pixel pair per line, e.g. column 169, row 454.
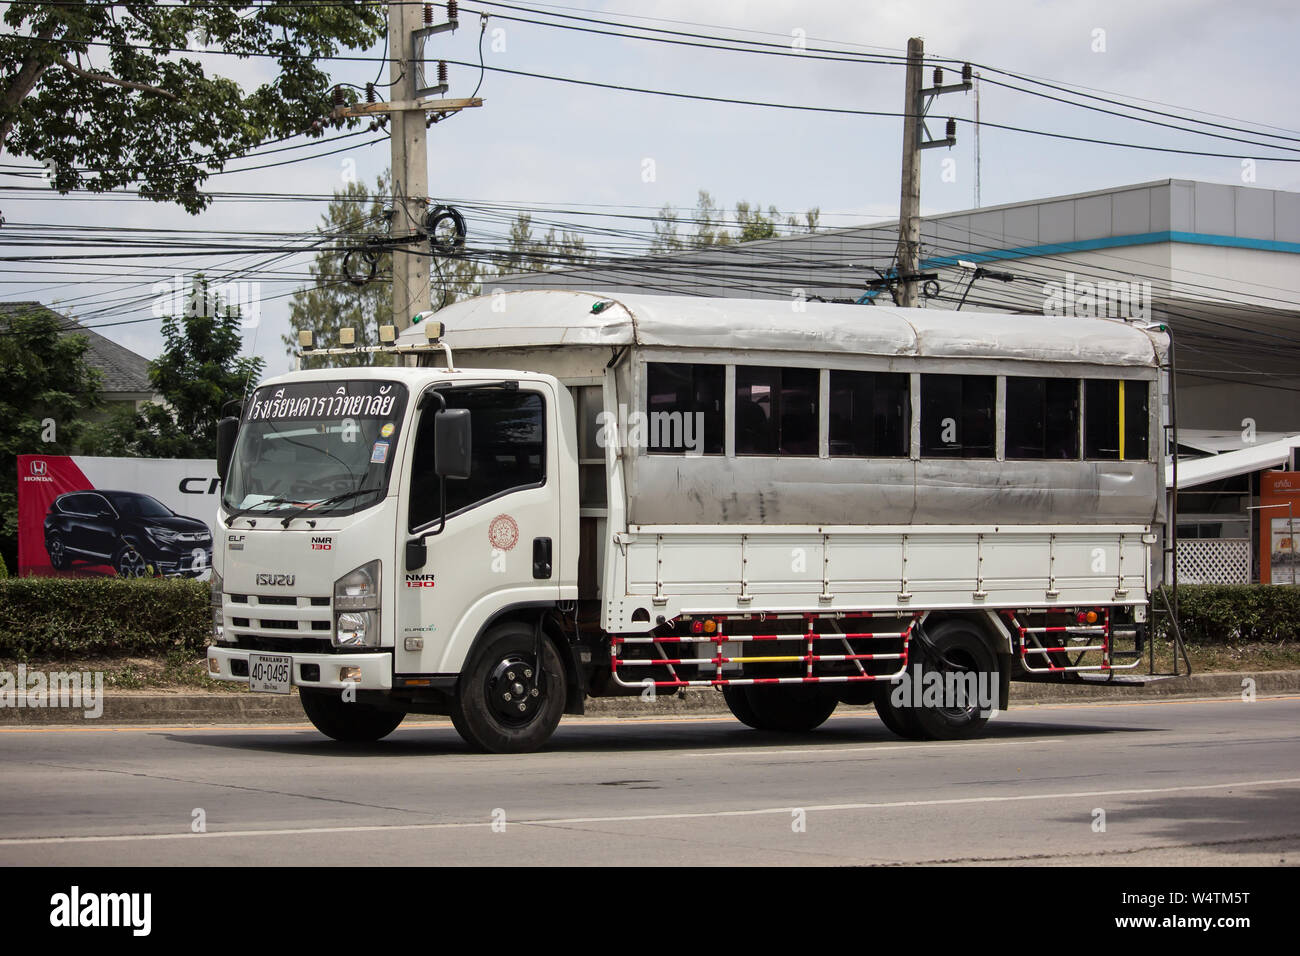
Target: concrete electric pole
column 409, row 26
column 915, row 138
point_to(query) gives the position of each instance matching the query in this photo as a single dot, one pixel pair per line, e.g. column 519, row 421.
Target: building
column 124, row 374
column 1218, row 264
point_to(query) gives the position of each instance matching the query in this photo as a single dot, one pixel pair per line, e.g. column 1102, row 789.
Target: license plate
column 270, row 673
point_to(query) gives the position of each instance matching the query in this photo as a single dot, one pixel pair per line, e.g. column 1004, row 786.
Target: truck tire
column 899, row 720
column 959, row 643
column 503, row 704
column 350, row 723
column 789, row 708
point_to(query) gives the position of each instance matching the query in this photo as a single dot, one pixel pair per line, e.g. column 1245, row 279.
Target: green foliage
column 105, row 95
column 70, row 617
column 552, row 251
column 328, row 304
column 45, row 392
column 1239, row 613
column 198, row 374
column 709, row 225
column 4, row 569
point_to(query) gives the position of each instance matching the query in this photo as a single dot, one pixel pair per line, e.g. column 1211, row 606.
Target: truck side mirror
column 451, row 443
column 227, row 431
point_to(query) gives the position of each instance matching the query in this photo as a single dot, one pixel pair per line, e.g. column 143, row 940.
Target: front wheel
column 505, row 702
column 789, row 708
column 349, row 722
column 130, row 563
column 58, row 554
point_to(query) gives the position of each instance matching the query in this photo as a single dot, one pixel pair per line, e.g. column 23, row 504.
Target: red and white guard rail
column 1070, row 632
column 810, row 657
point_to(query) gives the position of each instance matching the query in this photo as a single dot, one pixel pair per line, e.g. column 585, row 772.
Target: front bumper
column 173, row 560
column 376, row 668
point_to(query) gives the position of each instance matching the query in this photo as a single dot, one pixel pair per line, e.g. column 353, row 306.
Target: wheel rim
column 132, row 564
column 515, row 690
column 968, row 665
column 56, row 552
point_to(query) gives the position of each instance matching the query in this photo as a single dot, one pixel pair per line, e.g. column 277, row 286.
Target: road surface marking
column 646, row 817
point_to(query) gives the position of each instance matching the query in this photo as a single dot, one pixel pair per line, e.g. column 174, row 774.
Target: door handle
column 541, row 558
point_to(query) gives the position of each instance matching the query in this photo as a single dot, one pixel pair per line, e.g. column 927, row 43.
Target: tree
column 331, row 302
column 709, row 225
column 199, row 374
column 555, row 250
column 45, row 393
column 104, row 95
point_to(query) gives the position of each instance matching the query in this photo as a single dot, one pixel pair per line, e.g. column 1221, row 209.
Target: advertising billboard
column 134, row 517
column 1279, row 511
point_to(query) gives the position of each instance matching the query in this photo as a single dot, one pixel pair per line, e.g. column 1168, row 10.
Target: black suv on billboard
column 135, row 533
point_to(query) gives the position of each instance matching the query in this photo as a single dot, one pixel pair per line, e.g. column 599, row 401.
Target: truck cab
column 374, row 522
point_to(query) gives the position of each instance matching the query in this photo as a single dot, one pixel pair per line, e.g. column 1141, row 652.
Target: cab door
column 500, row 544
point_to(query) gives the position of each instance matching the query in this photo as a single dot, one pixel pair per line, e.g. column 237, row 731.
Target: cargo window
column 508, row 445
column 870, row 414
column 1116, row 420
column 777, row 411
column 957, row 416
column 687, row 408
column 1042, row 418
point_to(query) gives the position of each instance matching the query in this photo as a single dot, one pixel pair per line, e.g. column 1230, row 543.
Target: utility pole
column 409, row 26
column 916, row 104
column 410, row 175
column 909, row 205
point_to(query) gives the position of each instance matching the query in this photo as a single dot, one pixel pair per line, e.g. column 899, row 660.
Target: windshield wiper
column 284, row 523
column 277, row 500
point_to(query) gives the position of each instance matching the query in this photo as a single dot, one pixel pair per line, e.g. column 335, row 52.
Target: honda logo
column 38, row 467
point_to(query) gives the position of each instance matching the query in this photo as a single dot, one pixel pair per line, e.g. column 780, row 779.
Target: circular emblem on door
column 503, row 533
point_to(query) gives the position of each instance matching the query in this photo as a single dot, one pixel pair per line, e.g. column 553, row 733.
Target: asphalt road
column 1180, row 783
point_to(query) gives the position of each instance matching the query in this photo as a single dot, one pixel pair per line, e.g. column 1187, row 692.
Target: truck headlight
column 357, row 629
column 358, row 590
column 215, row 601
column 356, row 607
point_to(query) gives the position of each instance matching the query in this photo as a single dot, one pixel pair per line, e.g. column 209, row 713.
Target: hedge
column 63, row 617
column 1239, row 613
column 75, row 617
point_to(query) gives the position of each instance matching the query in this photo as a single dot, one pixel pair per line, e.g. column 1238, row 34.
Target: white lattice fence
column 1214, row 561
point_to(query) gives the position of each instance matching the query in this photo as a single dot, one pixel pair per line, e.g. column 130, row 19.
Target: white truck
column 799, row 505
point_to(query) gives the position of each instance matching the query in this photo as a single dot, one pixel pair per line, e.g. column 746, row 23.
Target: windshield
column 326, row 445
column 139, row 506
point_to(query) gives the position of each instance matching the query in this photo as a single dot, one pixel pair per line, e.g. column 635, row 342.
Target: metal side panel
column 672, row 570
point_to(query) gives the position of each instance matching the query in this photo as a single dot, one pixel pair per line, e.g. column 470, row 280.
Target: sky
column 537, row 142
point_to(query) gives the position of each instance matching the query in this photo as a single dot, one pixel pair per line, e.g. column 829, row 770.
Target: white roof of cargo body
column 562, row 317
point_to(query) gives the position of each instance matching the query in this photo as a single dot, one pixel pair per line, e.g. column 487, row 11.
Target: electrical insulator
column 938, row 76
column 338, row 96
column 952, row 128
column 442, row 72
column 370, row 92
column 428, row 14
column 966, row 73
column 453, row 8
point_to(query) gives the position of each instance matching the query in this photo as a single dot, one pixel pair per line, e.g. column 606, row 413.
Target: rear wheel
column 504, row 702
column 58, row 555
column 967, row 665
column 791, row 708
column 899, row 718
column 351, row 723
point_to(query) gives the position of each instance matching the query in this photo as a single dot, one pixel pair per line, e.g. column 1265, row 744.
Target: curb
column 247, row 708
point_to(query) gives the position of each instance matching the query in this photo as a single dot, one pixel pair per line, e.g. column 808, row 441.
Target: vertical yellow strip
column 1121, row 421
